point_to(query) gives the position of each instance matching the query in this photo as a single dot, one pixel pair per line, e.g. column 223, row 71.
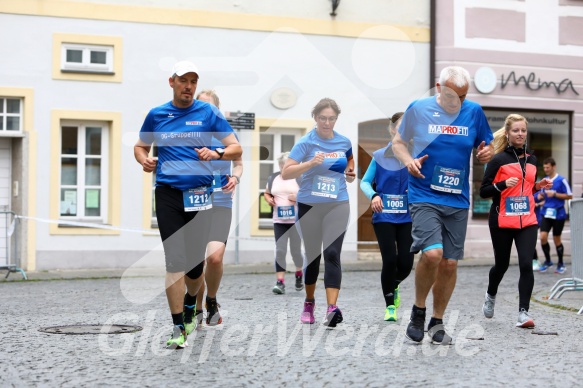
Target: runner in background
column 554, row 215
column 385, row 183
column 281, row 195
column 224, row 183
column 539, row 201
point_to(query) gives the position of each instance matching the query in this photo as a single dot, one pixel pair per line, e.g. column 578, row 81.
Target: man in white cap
column 182, row 130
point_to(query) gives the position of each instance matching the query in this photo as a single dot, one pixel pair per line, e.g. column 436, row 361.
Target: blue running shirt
column 221, row 168
column 448, row 139
column 554, row 208
column 177, row 132
column 326, row 182
column 391, row 178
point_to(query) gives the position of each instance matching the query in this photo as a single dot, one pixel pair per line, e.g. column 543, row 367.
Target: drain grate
column 90, row 329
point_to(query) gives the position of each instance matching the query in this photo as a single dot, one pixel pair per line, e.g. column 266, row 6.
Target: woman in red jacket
column 510, row 181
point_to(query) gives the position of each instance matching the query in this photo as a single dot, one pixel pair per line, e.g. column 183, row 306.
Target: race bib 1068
column 517, row 206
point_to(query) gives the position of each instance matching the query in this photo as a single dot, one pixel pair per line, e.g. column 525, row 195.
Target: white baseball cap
column 183, row 67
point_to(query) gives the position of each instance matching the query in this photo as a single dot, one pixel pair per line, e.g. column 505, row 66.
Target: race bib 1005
column 395, row 203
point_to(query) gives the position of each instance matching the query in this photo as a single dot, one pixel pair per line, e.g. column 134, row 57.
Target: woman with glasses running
column 323, row 158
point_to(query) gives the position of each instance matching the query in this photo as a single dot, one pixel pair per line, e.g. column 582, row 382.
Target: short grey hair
column 283, row 158
column 212, row 94
column 457, row 75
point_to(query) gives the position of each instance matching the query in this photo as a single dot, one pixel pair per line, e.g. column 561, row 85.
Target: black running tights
column 395, row 243
column 525, row 240
column 322, row 228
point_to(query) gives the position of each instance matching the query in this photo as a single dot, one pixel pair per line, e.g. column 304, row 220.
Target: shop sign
column 485, row 81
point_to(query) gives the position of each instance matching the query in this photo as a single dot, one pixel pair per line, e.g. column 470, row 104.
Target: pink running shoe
column 308, row 313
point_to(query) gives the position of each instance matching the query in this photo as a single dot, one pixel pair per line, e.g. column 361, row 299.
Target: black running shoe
column 299, row 283
column 279, row 288
column 333, row 316
column 213, row 317
column 437, row 333
column 416, row 325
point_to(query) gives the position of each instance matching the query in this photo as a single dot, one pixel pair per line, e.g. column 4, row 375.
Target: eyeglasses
column 331, row 119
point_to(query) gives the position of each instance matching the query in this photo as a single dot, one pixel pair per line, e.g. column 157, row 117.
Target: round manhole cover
column 90, row 329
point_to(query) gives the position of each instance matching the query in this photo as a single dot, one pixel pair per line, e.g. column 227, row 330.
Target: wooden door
column 372, row 135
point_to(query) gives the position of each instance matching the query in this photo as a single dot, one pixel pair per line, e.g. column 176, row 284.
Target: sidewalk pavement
column 262, row 343
column 570, row 300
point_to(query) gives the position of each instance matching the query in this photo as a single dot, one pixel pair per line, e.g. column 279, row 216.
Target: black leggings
column 525, row 240
column 323, row 224
column 394, row 242
column 283, row 233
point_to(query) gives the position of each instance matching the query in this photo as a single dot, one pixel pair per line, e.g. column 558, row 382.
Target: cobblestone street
column 261, row 342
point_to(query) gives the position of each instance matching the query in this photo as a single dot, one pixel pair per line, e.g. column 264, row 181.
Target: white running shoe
column 524, row 320
column 488, row 307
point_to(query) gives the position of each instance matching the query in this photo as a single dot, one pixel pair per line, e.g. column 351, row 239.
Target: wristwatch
column 237, row 178
column 220, row 151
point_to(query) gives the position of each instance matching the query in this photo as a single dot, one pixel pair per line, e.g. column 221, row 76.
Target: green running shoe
column 189, row 327
column 391, row 313
column 190, row 322
column 178, row 338
column 397, row 297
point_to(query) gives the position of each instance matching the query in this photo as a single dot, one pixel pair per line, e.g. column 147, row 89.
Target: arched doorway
column 372, row 135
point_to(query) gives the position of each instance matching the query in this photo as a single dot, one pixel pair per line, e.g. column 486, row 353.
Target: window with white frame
column 10, row 114
column 84, row 171
column 86, row 58
column 273, row 142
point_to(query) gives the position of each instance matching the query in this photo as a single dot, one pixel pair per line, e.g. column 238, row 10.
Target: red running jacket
column 506, row 165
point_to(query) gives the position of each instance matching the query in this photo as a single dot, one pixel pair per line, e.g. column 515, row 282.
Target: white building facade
column 78, row 77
